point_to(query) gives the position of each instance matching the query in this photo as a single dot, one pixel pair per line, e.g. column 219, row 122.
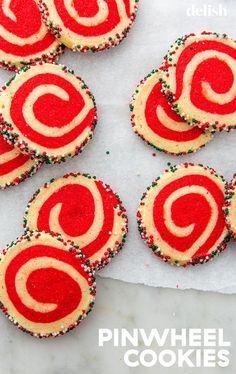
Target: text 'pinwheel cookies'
column 199, row 75
column 86, row 211
column 89, row 25
column 157, row 124
column 46, row 288
column 47, row 112
column 24, row 37
column 14, row 165
column 181, row 215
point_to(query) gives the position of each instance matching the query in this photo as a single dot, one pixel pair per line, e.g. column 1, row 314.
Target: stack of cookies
column 178, row 107
column 47, row 113
column 76, row 224
column 73, row 226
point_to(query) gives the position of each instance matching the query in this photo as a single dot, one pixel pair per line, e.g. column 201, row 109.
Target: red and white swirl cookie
column 89, row 25
column 47, row 112
column 24, row 38
column 14, row 165
column 46, row 289
column 157, row 124
column 230, row 207
column 84, row 210
column 181, row 217
column 199, row 75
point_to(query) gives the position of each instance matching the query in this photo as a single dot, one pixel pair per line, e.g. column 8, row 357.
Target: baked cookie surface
column 158, row 125
column 230, row 207
column 89, row 25
column 46, row 289
column 181, row 215
column 198, row 74
column 14, row 165
column 24, row 38
column 83, row 209
column 47, row 112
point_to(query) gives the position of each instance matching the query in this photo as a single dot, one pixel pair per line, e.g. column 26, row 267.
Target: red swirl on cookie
column 181, row 217
column 14, row 166
column 155, row 122
column 23, row 35
column 46, row 287
column 199, row 76
column 84, row 210
column 48, row 112
column 93, row 25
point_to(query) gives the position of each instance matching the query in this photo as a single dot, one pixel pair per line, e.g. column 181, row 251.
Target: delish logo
column 207, row 10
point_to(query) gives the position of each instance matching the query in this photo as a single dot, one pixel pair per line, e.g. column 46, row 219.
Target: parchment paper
column 130, row 167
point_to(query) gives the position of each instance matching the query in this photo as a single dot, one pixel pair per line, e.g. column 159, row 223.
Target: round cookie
column 89, row 26
column 198, row 75
column 24, row 37
column 14, row 165
column 230, row 207
column 46, row 289
column 84, row 210
column 47, row 112
column 157, row 124
column 181, row 218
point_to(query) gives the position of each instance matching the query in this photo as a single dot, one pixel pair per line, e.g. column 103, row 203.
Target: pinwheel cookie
column 84, row 210
column 181, row 217
column 199, row 75
column 24, row 36
column 89, row 25
column 14, row 166
column 47, row 112
column 230, row 207
column 157, row 124
column 46, row 289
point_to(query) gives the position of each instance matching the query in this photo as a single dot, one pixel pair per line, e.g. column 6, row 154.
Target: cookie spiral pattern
column 93, row 25
column 48, row 112
column 155, row 122
column 199, row 78
column 84, row 210
column 46, row 289
column 14, row 166
column 24, row 38
column 181, row 215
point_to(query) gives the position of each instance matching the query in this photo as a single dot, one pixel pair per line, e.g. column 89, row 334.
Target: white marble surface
column 118, row 305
